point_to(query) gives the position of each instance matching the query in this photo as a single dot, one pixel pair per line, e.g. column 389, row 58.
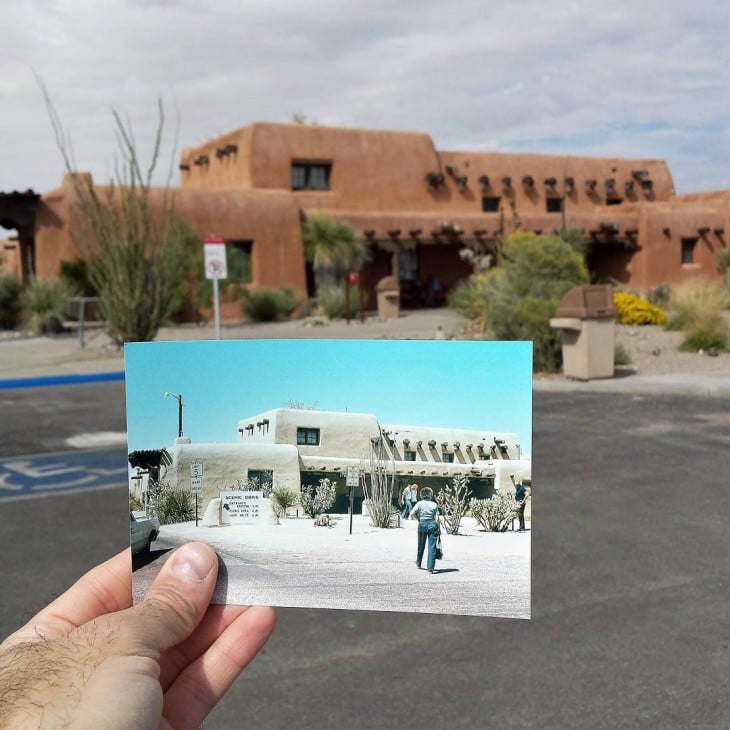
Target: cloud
column 646, row 79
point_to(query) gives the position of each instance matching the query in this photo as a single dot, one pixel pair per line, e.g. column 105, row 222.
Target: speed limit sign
column 216, row 266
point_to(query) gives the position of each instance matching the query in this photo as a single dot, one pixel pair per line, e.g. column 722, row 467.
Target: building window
column 409, row 456
column 447, row 457
column 688, row 250
column 614, row 201
column 262, row 479
column 307, row 437
column 490, row 203
column 238, row 258
column 310, row 175
column 554, row 205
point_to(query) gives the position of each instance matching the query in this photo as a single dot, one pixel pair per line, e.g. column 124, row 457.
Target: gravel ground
column 654, row 351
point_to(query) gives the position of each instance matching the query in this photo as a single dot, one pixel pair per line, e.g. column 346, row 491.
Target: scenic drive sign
column 216, row 266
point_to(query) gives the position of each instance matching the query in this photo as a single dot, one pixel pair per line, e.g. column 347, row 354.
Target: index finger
column 104, row 589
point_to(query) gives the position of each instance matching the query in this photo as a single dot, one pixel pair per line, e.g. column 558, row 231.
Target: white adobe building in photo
column 294, row 447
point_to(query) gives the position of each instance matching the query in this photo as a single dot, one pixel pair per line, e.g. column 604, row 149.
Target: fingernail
column 192, row 562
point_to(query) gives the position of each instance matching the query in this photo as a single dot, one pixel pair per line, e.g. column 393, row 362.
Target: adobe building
column 429, row 217
column 294, row 447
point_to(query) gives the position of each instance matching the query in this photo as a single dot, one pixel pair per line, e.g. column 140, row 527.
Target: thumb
column 178, row 598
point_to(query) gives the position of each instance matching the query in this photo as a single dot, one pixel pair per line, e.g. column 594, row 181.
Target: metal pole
column 82, row 302
column 352, row 499
column 196, row 509
column 216, row 310
column 180, row 416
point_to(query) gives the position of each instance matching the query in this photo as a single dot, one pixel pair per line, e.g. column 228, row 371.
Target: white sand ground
column 297, row 564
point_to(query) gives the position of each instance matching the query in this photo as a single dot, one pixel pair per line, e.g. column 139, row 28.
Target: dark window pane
column 490, row 204
column 298, row 177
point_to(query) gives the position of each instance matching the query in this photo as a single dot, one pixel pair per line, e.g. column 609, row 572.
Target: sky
column 448, row 383
column 647, row 79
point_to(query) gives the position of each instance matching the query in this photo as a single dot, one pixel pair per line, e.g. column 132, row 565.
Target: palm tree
column 332, row 247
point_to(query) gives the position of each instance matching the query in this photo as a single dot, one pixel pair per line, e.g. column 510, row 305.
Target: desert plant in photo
column 135, row 504
column 494, row 514
column 283, row 498
column 318, row 499
column 453, row 502
column 43, row 304
column 175, row 506
column 268, row 305
column 633, row 310
column 697, row 306
column 378, row 485
column 11, row 304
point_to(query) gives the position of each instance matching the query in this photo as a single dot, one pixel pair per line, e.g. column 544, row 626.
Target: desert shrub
column 10, row 301
column 723, row 260
column 632, row 309
column 42, row 300
column 282, row 498
column 268, row 305
column 494, row 514
column 331, row 301
column 467, row 298
column 316, row 500
column 135, row 505
column 621, row 354
column 697, row 307
column 453, row 502
column 659, row 296
column 522, row 294
column 175, row 505
column 75, row 276
column 711, row 335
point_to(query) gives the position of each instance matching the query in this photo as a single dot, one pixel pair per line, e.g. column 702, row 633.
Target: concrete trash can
column 388, row 295
column 586, row 317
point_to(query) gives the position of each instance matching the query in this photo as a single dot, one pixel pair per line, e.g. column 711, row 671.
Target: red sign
column 213, row 238
column 353, row 277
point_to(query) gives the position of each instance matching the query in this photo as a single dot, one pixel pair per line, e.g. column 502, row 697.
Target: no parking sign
column 216, row 266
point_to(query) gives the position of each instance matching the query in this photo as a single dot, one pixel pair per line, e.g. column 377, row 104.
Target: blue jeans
column 427, row 529
column 406, row 509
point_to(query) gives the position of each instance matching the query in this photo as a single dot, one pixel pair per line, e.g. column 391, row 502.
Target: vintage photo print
column 380, row 475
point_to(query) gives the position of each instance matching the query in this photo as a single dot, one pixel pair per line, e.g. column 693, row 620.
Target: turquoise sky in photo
column 452, row 383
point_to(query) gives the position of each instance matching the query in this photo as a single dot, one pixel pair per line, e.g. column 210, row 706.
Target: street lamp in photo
column 179, row 400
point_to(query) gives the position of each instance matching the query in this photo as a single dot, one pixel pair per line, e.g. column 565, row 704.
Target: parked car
column 142, row 533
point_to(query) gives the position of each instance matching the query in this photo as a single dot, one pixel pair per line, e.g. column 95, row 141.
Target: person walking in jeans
column 426, row 512
column 408, row 499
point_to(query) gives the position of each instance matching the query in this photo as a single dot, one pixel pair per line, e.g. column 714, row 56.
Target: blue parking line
column 47, row 380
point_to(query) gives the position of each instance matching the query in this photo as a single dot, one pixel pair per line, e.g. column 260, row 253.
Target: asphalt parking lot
column 630, row 627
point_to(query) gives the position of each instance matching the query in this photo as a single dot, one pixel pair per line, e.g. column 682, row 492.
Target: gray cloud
column 643, row 79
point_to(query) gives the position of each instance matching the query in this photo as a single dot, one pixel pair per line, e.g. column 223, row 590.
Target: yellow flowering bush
column 631, row 309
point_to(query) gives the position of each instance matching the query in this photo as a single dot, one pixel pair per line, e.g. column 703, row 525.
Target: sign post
column 352, row 480
column 196, row 482
column 216, row 267
column 353, row 277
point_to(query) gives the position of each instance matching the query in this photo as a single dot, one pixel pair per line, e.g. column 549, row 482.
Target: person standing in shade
column 408, row 499
column 520, row 498
column 426, row 511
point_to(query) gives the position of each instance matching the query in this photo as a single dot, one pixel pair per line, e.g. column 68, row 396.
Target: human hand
column 90, row 660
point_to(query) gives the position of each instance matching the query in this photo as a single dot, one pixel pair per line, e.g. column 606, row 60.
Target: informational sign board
column 196, row 476
column 241, row 507
column 353, row 476
column 216, row 264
